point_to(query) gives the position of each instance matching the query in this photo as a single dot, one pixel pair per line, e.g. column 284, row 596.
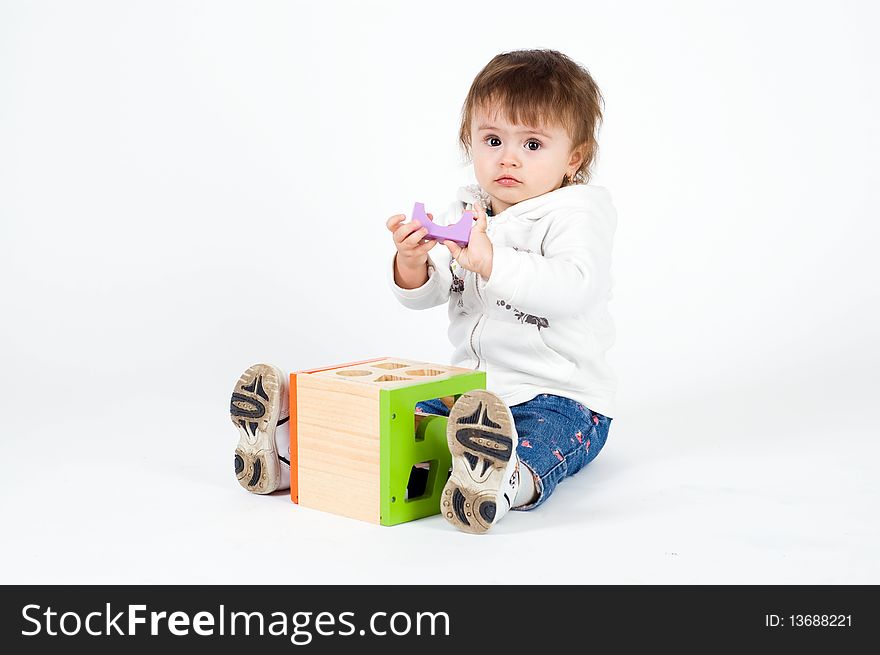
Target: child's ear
column 577, row 157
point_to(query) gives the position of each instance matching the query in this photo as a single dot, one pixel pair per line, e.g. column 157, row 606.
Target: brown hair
column 535, row 87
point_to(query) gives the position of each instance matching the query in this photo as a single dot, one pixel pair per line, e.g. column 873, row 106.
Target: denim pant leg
column 433, row 407
column 557, row 438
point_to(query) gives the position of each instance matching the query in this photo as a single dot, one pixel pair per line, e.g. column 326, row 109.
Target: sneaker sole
column 480, row 433
column 254, row 410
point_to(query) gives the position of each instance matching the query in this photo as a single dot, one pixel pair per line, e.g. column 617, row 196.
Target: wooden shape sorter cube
column 355, row 446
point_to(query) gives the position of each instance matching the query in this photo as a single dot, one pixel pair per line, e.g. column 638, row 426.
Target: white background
column 188, row 188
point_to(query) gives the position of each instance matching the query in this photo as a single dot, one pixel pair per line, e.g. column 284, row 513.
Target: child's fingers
column 394, row 221
column 413, row 239
column 403, row 232
column 428, row 245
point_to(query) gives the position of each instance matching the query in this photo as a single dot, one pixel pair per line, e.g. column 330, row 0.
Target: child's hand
column 477, row 256
column 412, row 250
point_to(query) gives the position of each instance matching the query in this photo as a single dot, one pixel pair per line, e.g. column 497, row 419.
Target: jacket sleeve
column 433, row 292
column 574, row 268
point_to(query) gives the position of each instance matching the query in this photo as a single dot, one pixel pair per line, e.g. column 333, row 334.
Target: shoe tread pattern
column 254, row 409
column 480, row 436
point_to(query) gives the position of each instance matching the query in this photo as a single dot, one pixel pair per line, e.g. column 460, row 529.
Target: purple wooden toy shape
column 459, row 232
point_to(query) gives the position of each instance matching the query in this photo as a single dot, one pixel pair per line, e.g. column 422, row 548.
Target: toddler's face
column 517, row 162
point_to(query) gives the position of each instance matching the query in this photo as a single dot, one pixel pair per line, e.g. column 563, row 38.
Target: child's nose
column 510, row 156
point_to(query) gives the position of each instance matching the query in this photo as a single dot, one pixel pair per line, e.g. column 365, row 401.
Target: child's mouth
column 507, row 181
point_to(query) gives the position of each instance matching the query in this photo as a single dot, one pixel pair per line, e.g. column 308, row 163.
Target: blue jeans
column 557, row 438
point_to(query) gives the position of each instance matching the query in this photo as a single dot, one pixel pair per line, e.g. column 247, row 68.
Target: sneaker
column 485, row 469
column 260, row 405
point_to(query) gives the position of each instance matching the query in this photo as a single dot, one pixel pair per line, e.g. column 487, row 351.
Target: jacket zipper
column 480, row 320
column 482, row 304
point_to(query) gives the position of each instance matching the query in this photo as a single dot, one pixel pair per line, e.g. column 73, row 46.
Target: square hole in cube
column 420, row 477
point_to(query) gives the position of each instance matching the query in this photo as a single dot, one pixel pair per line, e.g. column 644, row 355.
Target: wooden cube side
column 338, row 447
column 294, row 468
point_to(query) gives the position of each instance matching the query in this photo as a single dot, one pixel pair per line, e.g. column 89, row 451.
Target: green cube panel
column 401, row 448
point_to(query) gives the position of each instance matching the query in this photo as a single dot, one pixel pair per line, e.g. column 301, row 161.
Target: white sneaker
column 485, row 469
column 260, row 409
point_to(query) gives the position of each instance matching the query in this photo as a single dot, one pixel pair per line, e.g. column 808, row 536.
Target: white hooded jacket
column 541, row 322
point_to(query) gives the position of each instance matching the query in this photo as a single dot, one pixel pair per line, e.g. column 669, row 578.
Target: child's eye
column 531, row 143
column 491, row 141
